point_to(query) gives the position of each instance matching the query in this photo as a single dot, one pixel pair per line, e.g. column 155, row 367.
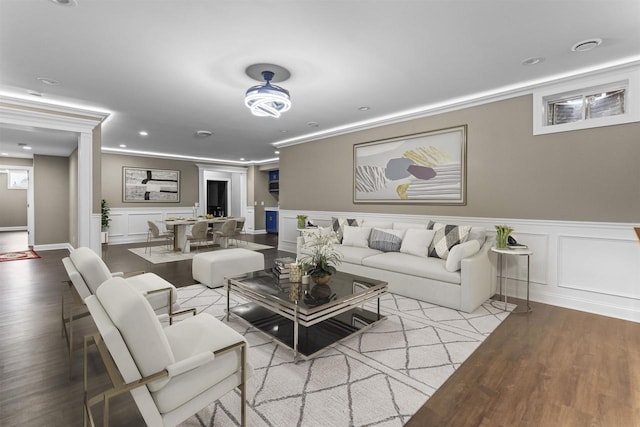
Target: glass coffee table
column 322, row 315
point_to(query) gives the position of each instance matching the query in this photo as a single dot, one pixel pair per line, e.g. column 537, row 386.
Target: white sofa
column 463, row 281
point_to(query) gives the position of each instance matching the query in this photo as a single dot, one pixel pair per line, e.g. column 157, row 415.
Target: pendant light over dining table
column 267, row 100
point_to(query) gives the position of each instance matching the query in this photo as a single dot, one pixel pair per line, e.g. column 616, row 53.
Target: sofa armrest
column 476, row 278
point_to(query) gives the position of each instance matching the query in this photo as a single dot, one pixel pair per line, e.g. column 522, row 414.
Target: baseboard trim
column 53, row 247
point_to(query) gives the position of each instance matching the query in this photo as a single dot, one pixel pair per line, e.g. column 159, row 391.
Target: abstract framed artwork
column 429, row 167
column 150, row 185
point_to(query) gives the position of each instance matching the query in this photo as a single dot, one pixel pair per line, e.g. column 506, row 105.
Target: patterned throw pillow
column 386, row 240
column 339, row 223
column 446, row 237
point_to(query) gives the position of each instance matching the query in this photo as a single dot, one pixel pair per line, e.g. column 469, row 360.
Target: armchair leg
column 243, row 387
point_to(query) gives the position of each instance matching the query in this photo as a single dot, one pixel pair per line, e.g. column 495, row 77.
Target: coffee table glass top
column 339, row 289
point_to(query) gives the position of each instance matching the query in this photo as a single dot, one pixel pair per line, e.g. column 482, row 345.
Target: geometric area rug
column 380, row 377
column 20, row 255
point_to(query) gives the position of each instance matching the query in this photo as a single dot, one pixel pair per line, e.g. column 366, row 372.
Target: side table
column 517, row 252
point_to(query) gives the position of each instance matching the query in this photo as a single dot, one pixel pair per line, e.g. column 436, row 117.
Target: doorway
column 217, row 198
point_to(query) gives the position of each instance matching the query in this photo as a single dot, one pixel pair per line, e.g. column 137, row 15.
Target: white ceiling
column 175, row 67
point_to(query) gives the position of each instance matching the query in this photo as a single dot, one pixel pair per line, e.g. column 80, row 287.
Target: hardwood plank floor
column 552, row 367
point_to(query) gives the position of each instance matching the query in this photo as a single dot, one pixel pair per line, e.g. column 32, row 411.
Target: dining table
column 180, row 226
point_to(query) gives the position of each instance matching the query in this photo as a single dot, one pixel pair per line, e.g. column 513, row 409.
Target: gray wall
column 585, row 175
column 73, row 199
column 13, row 209
column 262, row 195
column 112, row 179
column 51, row 195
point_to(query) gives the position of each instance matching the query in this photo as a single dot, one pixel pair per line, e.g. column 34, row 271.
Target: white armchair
column 87, row 272
column 171, row 373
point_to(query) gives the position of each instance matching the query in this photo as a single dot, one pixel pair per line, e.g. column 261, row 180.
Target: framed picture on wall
column 429, row 167
column 150, row 185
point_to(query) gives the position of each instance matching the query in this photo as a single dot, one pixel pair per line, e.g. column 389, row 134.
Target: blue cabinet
column 272, row 221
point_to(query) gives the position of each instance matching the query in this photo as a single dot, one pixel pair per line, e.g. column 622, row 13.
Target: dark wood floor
column 552, row 367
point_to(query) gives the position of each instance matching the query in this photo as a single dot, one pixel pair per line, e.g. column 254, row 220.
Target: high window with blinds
column 609, row 99
column 587, row 106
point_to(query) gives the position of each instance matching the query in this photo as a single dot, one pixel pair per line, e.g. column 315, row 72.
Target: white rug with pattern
column 378, row 378
column 160, row 254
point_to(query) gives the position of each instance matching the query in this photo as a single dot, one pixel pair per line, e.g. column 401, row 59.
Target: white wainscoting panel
column 588, row 266
column 586, row 263
column 129, row 225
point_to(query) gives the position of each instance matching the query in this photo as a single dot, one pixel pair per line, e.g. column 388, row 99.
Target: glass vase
column 502, row 240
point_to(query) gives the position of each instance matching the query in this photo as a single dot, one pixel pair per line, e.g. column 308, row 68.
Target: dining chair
column 173, row 372
column 198, row 234
column 154, row 233
column 238, row 231
column 227, row 230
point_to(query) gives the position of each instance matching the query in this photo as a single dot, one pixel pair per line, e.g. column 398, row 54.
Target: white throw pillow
column 416, row 242
column 459, row 252
column 356, row 236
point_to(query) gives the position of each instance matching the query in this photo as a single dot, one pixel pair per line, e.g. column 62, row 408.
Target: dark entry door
column 217, row 198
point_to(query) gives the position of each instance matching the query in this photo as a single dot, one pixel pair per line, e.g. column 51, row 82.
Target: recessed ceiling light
column 69, row 3
column 313, row 124
column 364, row 108
column 34, row 93
column 242, row 158
column 277, row 152
column 284, row 131
column 143, row 133
column 204, row 133
column 532, row 61
column 26, row 147
column 5, row 154
column 123, row 145
column 586, row 45
column 48, row 81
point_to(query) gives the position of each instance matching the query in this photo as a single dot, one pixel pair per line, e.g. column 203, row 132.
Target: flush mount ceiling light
column 586, row 45
column 71, row 3
column 267, row 100
column 532, row 61
column 143, row 133
column 48, row 81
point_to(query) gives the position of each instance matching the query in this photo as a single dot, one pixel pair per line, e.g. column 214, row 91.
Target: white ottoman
column 210, row 268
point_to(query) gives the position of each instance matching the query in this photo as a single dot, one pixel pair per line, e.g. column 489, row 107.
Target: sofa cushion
column 354, row 254
column 356, row 236
column 386, row 240
column 446, row 237
column 338, row 224
column 376, row 224
column 428, row 267
column 459, row 252
column 409, row 226
column 416, row 242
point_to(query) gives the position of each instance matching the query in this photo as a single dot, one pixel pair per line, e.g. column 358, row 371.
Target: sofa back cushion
column 409, row 225
column 356, row 236
column 446, row 237
column 375, row 224
column 386, row 239
column 416, row 242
